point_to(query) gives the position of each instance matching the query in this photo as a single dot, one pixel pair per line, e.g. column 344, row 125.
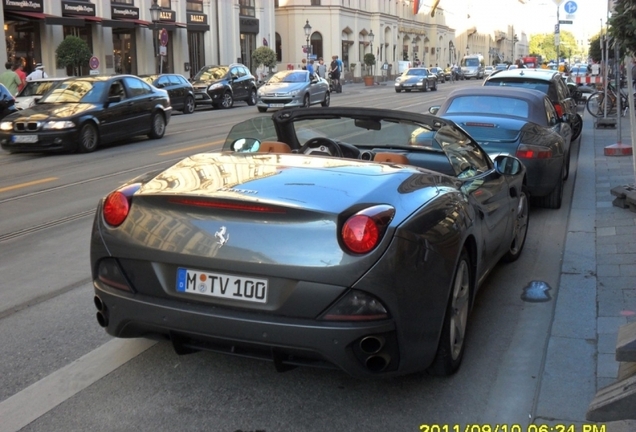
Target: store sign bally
column 168, row 15
column 197, row 18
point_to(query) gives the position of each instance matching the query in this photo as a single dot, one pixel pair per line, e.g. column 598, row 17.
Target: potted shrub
column 369, row 61
column 73, row 53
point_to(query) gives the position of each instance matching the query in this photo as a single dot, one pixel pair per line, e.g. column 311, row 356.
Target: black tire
column 398, row 90
column 251, row 99
column 227, row 100
column 567, row 166
column 425, row 88
column 262, row 109
column 88, row 138
column 577, row 127
column 450, row 349
column 157, row 126
column 407, row 90
column 188, row 105
column 434, row 88
column 306, row 101
column 520, row 228
column 327, row 100
column 554, row 199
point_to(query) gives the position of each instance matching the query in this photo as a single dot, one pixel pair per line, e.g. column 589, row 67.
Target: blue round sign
column 570, row 7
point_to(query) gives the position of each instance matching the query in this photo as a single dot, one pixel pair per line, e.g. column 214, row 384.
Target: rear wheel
column 251, row 100
column 188, row 106
column 451, row 342
column 157, row 126
column 520, row 228
column 88, row 138
column 554, row 199
column 327, row 100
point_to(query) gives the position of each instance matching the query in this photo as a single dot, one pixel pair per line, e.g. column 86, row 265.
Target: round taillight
column 360, row 234
column 116, row 208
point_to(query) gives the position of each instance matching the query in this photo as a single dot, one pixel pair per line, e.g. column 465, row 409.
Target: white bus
column 473, row 66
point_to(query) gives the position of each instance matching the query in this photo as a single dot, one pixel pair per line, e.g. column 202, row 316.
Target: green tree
column 622, row 24
column 543, row 44
column 73, row 52
column 264, row 56
column 369, row 60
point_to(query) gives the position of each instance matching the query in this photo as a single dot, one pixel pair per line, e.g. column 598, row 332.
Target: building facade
column 121, row 35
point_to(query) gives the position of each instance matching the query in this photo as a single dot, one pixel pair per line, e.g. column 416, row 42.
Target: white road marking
column 39, row 398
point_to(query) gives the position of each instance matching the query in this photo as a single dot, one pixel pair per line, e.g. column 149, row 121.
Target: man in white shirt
column 38, row 73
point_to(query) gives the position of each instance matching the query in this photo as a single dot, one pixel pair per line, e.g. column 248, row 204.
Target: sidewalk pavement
column 597, row 290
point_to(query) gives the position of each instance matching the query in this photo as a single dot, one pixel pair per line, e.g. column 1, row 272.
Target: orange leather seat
column 395, row 158
column 274, row 147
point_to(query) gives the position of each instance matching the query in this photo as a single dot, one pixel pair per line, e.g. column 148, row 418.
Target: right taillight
column 559, row 109
column 362, row 231
column 525, row 151
column 117, row 204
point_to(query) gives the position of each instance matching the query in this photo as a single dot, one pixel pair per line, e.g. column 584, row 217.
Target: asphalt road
column 59, row 371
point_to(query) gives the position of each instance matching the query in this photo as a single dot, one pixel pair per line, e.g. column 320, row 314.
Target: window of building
column 194, row 5
column 164, row 4
column 279, row 48
column 315, row 2
column 247, row 8
column 275, row 3
column 316, row 44
column 126, row 2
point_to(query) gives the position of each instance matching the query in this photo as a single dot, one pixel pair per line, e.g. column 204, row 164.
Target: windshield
column 540, row 85
column 37, row 88
column 495, row 105
column 289, row 77
column 416, row 72
column 212, row 73
column 76, row 91
column 471, row 62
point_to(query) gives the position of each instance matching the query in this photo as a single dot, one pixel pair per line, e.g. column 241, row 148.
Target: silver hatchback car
column 293, row 88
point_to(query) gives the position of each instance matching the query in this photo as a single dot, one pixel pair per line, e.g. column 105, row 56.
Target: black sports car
column 419, row 78
column 180, row 90
column 80, row 113
column 520, row 122
column 320, row 236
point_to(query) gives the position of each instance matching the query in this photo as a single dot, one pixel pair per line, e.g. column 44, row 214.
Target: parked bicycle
column 596, row 102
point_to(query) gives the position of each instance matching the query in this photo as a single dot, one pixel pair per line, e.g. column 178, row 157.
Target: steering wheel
column 321, row 146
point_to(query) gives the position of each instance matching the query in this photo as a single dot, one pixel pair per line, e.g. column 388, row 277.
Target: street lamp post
column 414, row 52
column 371, row 36
column 307, row 29
column 451, row 52
column 154, row 17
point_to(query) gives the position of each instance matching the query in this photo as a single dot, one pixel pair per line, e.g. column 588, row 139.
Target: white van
column 473, row 66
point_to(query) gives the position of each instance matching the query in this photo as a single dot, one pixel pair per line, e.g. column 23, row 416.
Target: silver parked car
column 293, row 88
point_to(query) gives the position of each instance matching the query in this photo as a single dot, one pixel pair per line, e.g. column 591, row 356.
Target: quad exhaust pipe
column 377, row 361
column 102, row 312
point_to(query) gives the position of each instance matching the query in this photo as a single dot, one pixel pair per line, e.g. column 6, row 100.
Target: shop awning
column 198, row 27
column 125, row 23
column 48, row 19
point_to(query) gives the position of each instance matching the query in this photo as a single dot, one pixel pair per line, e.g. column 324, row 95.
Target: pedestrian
column 10, row 79
column 310, row 68
column 304, row 64
column 321, row 69
column 18, row 68
column 334, row 70
column 38, row 73
column 633, row 73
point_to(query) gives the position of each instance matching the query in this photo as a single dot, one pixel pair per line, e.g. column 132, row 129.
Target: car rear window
column 489, row 105
column 528, row 83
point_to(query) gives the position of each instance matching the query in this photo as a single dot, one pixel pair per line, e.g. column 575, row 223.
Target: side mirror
column 508, row 165
column 246, row 145
column 434, row 110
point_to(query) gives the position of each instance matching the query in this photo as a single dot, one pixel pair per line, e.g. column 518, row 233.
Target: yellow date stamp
column 512, row 428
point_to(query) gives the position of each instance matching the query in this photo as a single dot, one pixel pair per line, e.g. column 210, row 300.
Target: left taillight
column 362, row 231
column 559, row 109
column 117, row 204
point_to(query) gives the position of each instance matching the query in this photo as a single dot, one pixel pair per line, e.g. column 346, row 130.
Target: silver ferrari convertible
column 331, row 237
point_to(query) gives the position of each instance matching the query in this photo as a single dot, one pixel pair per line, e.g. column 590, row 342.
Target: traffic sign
column 93, row 63
column 570, row 7
column 565, row 21
column 163, row 37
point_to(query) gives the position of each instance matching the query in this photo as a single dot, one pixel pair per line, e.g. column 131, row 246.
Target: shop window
column 194, row 5
column 279, row 48
column 247, row 8
column 316, row 44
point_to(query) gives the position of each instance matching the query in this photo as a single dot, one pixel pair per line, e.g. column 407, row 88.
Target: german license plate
column 408, row 85
column 221, row 285
column 276, row 105
column 198, row 96
column 24, row 138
